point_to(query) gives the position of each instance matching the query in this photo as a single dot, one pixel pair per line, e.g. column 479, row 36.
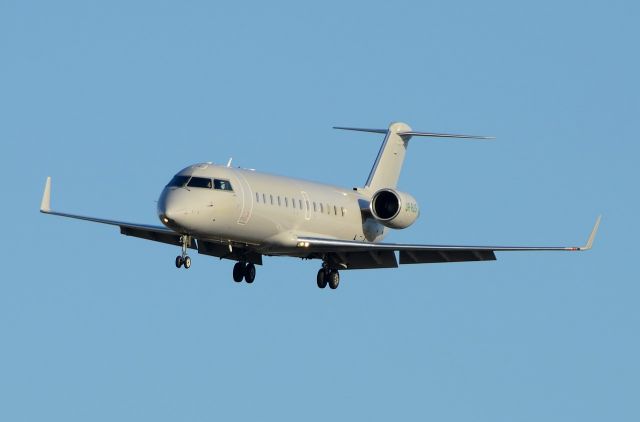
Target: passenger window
column 335, row 210
column 264, row 198
column 178, row 181
column 199, row 182
column 328, row 209
column 257, row 197
column 221, row 184
column 321, row 208
column 307, row 203
column 279, row 204
column 286, row 202
column 293, row 203
column 271, row 196
column 300, row 203
column 314, row 207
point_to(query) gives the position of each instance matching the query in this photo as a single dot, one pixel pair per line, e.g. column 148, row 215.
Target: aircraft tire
column 238, row 271
column 187, row 262
column 334, row 279
column 250, row 273
column 178, row 261
column 322, row 278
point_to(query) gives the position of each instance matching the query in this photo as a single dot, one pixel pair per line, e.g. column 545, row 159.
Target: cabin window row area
column 297, row 203
column 199, row 182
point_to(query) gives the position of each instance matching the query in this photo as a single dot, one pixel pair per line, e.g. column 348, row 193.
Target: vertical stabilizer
column 386, row 170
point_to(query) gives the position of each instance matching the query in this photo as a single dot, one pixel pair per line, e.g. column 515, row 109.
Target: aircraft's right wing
column 380, row 254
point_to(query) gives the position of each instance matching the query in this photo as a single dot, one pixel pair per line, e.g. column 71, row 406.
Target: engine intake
column 397, row 210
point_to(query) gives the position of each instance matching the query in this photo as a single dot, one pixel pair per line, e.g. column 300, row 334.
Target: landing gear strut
column 184, row 259
column 243, row 270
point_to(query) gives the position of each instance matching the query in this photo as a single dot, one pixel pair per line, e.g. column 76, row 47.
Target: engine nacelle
column 397, row 210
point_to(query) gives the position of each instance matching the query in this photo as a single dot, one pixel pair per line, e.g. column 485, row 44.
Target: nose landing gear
column 184, row 259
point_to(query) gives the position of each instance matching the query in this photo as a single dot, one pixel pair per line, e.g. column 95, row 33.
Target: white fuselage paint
column 265, row 209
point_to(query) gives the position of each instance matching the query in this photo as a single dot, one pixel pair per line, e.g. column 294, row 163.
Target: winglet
column 45, row 205
column 592, row 236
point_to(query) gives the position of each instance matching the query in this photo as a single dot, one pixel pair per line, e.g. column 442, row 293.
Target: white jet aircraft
column 242, row 215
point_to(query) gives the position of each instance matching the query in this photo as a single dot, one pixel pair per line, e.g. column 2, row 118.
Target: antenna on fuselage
column 229, row 162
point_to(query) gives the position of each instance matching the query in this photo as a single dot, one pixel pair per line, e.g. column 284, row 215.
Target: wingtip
column 45, row 205
column 592, row 236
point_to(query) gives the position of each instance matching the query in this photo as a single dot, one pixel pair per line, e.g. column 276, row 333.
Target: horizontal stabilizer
column 444, row 135
column 414, row 133
column 358, row 129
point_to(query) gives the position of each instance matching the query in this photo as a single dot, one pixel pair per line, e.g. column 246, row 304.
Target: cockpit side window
column 222, row 184
column 199, row 182
column 178, row 181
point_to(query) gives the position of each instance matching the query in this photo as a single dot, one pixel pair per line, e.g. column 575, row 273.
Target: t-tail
column 386, row 170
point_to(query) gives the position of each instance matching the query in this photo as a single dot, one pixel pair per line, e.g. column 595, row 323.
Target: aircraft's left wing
column 343, row 250
column 144, row 231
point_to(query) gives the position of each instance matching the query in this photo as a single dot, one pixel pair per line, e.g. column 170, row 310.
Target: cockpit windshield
column 199, row 182
column 222, row 184
column 178, row 181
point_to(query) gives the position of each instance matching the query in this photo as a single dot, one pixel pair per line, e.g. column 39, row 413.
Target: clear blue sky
column 111, row 98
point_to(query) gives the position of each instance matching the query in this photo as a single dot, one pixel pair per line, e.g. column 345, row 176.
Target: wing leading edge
column 422, row 254
column 144, row 231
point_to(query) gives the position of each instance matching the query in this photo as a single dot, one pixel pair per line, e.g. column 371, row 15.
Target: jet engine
column 397, row 210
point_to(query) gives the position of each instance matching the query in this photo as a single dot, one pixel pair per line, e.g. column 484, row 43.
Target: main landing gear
column 243, row 270
column 184, row 259
column 328, row 276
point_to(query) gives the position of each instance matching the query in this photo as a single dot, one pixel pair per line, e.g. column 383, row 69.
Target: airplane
column 242, row 215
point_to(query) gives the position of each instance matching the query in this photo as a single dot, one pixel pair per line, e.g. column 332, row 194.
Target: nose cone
column 171, row 210
column 163, row 207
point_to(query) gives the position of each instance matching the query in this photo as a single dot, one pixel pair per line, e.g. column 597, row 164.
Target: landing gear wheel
column 238, row 271
column 322, row 278
column 334, row 279
column 186, row 262
column 178, row 261
column 250, row 273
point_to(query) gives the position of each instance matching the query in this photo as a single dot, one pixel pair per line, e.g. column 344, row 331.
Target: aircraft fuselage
column 263, row 209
